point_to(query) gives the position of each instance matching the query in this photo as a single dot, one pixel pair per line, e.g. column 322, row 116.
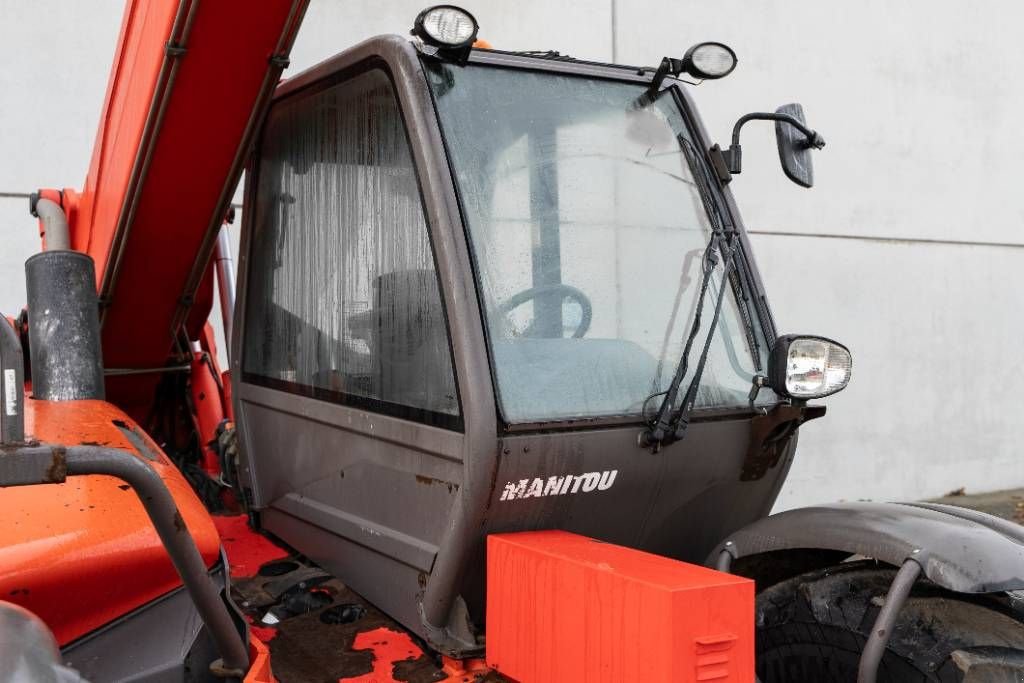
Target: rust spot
column 57, row 472
column 428, row 481
column 179, row 523
column 12, row 447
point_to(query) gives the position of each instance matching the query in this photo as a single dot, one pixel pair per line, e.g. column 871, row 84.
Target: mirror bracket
column 722, row 160
column 669, row 65
column 730, row 161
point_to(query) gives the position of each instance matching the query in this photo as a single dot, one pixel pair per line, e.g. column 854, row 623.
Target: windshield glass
column 587, row 230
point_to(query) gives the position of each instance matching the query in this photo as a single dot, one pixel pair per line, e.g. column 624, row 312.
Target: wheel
column 812, row 628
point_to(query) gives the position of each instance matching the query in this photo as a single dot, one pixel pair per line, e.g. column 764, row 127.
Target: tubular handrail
column 49, row 464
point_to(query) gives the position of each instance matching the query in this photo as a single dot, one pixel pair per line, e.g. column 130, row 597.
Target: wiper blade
column 702, row 175
column 677, row 428
column 741, row 270
column 662, row 427
column 668, row 426
column 743, row 302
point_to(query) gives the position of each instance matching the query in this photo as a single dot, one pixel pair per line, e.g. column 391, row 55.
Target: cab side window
column 343, row 301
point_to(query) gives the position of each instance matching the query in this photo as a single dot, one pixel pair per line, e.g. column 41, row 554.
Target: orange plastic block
column 563, row 607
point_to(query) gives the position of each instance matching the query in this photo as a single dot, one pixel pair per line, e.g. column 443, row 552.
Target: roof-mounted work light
column 706, row 61
column 446, row 27
column 709, row 61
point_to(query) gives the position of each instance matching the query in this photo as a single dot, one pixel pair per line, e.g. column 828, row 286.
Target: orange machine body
column 187, row 90
column 563, row 607
column 84, row 553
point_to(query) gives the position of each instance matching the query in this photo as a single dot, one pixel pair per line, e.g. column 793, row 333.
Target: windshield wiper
column 668, row 425
column 738, row 275
column 677, row 428
column 741, row 272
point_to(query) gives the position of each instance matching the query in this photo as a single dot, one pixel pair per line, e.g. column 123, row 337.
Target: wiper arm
column 669, row 426
column 677, row 428
column 662, row 429
column 741, row 270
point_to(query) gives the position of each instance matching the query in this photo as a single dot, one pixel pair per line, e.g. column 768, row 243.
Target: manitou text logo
column 559, row 486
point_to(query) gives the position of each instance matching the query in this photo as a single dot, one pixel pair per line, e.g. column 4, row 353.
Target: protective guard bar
column 899, row 590
column 30, row 465
column 874, row 649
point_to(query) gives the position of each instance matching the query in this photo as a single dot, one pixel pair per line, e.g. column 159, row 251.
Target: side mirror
column 804, row 366
column 795, row 141
column 795, row 147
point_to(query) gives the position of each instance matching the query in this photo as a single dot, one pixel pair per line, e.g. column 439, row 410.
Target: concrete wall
column 906, row 250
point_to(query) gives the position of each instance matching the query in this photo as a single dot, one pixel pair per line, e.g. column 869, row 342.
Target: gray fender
column 962, row 550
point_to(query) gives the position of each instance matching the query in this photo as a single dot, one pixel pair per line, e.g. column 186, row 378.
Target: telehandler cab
column 480, row 293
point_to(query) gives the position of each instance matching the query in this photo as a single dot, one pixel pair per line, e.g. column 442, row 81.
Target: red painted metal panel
column 563, row 607
column 137, row 59
column 83, row 553
column 186, row 81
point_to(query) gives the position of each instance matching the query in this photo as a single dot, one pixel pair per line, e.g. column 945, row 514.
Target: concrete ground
column 1006, row 504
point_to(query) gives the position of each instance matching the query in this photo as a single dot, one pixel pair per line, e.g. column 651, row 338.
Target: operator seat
column 409, row 347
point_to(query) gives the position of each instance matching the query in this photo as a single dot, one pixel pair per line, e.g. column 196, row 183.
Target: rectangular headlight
column 806, row 366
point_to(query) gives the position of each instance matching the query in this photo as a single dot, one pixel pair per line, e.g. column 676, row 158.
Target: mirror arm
column 814, row 139
column 732, row 158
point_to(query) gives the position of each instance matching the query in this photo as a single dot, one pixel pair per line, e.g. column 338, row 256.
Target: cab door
column 348, row 406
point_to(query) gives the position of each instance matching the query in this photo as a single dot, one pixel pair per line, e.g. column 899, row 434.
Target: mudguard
column 959, row 549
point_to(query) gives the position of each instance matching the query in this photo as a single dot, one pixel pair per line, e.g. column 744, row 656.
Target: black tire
column 812, row 628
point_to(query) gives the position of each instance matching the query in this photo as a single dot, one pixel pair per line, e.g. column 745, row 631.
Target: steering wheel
column 566, row 291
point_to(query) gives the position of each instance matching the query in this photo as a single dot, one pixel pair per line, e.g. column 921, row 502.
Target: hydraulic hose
column 55, row 225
